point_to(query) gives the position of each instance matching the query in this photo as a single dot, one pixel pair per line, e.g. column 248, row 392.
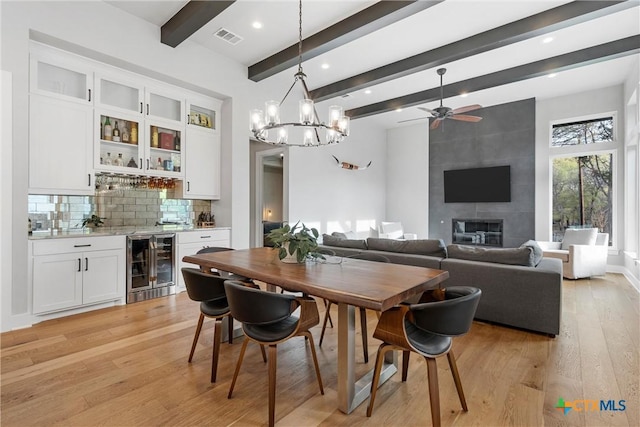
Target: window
column 582, row 132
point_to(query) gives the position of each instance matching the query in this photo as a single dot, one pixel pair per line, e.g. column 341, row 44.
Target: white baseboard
column 626, row 273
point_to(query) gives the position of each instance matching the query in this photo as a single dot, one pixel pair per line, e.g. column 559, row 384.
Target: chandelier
column 306, row 132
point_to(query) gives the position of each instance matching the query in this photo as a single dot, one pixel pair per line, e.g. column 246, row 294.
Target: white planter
column 289, row 259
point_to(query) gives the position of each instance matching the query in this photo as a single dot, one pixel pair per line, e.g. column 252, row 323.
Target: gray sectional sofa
column 519, row 287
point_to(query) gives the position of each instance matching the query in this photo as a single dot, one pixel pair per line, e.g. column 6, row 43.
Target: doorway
column 270, row 191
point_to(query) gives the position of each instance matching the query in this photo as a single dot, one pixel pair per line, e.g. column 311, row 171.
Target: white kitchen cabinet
column 73, row 272
column 61, row 75
column 60, row 149
column 202, row 151
column 190, row 242
column 119, row 92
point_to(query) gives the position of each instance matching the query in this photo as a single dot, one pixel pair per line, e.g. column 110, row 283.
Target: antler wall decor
column 350, row 166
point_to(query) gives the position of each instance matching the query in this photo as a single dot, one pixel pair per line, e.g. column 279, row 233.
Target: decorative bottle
column 108, row 130
column 116, row 133
column 125, row 133
column 119, row 161
column 154, row 137
column 159, row 164
column 108, row 160
column 134, row 133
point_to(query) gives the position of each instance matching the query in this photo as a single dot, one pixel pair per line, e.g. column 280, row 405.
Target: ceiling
column 431, row 28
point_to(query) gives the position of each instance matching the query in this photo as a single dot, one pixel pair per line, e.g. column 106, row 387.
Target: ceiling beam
column 373, row 18
column 568, row 61
column 193, row 16
column 551, row 20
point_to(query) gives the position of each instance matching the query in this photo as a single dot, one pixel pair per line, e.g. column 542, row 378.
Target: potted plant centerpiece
column 92, row 221
column 295, row 244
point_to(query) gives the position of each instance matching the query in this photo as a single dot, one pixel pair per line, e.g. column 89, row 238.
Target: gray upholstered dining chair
column 363, row 312
column 267, row 319
column 426, row 329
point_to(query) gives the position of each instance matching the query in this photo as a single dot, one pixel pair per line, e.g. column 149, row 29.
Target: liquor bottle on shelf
column 125, row 133
column 176, row 142
column 159, row 164
column 116, row 133
column 134, row 133
column 154, row 137
column 119, row 161
column 108, row 160
column 108, row 130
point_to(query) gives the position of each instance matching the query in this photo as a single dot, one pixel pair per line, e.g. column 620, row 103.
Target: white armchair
column 394, row 230
column 583, row 252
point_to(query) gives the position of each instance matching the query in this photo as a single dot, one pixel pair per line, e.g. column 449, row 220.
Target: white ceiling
column 436, row 26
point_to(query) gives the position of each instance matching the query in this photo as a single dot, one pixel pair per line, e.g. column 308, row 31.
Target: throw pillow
column 339, row 235
column 579, row 236
column 373, row 232
column 510, row 256
column 536, row 252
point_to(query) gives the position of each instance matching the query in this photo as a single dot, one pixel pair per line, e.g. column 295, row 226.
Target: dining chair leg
column 273, row 351
column 382, row 351
column 217, row 339
column 434, row 392
column 456, row 378
column 230, row 330
column 264, row 354
column 405, row 364
column 238, row 364
column 327, row 316
column 308, row 335
column 363, row 329
column 195, row 337
column 326, row 306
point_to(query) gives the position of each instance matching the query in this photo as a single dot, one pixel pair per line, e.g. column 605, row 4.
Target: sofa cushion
column 328, row 240
column 432, row 247
column 536, row 251
column 557, row 253
column 579, row 236
column 512, row 256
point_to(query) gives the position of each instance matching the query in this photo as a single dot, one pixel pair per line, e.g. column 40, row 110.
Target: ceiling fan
column 440, row 113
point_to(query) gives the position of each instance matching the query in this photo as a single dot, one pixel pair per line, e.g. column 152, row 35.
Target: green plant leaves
column 301, row 244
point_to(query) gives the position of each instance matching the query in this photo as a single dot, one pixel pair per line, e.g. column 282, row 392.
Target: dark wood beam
column 551, row 20
column 360, row 24
column 568, row 61
column 193, row 16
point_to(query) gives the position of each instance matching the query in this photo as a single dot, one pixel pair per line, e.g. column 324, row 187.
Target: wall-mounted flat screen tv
column 478, row 185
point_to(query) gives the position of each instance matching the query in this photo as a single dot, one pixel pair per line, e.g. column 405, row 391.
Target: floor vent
column 228, row 36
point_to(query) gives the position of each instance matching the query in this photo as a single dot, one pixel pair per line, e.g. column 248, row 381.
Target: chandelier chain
column 300, row 37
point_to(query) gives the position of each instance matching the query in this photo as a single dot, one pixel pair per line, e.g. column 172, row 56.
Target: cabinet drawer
column 80, row 244
column 211, row 235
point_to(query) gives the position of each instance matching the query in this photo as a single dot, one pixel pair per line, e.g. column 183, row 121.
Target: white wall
column 335, row 199
column 89, row 27
column 408, row 178
column 597, row 101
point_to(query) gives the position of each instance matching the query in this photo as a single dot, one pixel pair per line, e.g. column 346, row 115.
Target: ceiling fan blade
column 465, row 118
column 435, row 124
column 466, row 108
column 427, row 110
column 411, row 120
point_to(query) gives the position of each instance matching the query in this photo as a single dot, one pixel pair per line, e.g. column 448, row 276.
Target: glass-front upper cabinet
column 61, row 75
column 164, row 104
column 202, row 113
column 119, row 148
column 164, row 149
column 119, row 93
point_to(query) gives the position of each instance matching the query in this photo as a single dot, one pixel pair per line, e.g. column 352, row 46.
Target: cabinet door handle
column 141, row 108
column 86, row 264
column 82, row 246
column 188, row 185
column 147, row 164
column 79, row 264
column 141, row 159
column 89, row 176
column 205, row 237
column 147, row 109
column 89, row 95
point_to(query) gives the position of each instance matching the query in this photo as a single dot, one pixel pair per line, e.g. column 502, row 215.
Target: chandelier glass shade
column 309, row 130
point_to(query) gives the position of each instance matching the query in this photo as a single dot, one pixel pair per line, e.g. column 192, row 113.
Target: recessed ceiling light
column 464, row 95
column 368, row 91
column 547, row 40
column 257, row 25
column 325, row 66
column 398, row 110
column 552, row 75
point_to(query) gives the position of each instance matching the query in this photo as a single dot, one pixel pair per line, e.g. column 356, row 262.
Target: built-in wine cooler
column 151, row 266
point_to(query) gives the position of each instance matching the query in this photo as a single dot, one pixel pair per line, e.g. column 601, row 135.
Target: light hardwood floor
column 128, row 366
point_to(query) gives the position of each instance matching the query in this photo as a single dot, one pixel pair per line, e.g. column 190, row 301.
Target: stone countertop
column 116, row 231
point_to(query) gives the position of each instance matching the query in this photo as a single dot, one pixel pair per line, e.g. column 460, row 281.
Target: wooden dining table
column 346, row 281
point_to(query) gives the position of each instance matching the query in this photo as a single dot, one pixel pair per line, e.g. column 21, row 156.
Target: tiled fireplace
column 479, row 232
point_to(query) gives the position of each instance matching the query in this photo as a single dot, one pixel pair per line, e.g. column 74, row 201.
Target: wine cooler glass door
column 139, row 257
column 165, row 259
